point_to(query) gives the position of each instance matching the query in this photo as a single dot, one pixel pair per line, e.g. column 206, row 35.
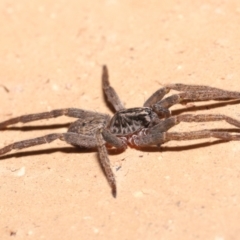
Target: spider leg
column 70, row 112
column 179, row 136
column 196, row 88
column 104, row 135
column 196, row 96
column 113, row 140
column 109, row 91
column 76, row 140
column 160, row 93
column 154, row 135
column 105, row 163
column 158, row 134
column 71, row 138
column 188, row 92
column 207, row 118
column 160, row 138
column 156, row 97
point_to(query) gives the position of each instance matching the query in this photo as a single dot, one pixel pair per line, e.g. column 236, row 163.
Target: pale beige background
column 51, row 53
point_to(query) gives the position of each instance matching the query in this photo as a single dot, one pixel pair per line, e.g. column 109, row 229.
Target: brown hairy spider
column 137, row 127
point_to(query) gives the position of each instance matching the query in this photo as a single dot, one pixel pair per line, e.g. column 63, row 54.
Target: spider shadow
column 67, row 150
column 203, row 107
column 181, row 148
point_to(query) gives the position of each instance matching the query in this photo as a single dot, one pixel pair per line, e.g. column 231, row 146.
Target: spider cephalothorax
column 137, row 127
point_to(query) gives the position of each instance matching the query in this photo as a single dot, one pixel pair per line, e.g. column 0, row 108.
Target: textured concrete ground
column 51, row 54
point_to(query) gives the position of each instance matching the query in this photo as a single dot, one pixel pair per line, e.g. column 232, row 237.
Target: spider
column 136, row 127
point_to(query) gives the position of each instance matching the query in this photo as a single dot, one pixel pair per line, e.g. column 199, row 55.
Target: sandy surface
column 51, row 55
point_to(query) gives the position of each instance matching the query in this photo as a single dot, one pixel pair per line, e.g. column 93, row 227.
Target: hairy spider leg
column 189, row 93
column 70, row 112
column 109, row 91
column 71, row 138
column 105, row 163
column 158, row 134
